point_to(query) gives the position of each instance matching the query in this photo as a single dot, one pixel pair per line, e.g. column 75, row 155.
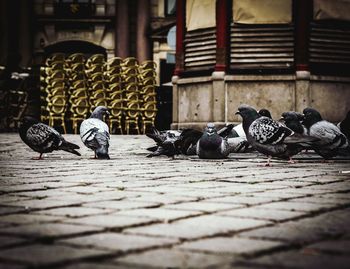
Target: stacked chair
column 113, row 78
column 148, row 92
column 132, row 101
column 72, row 87
column 79, row 94
column 54, row 90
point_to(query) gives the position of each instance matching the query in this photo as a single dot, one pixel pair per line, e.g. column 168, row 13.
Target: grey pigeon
column 265, row 112
column 293, row 121
column 211, row 145
column 270, row 137
column 43, row 138
column 94, row 133
column 332, row 141
column 344, row 125
column 166, row 142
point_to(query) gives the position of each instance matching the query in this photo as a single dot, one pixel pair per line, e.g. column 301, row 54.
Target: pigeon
column 166, row 142
column 293, row 121
column 94, row 133
column 332, row 141
column 211, row 145
column 264, row 112
column 43, row 138
column 270, row 137
column 344, row 125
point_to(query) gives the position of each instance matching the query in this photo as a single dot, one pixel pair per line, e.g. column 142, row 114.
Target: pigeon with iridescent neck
column 270, row 137
column 211, row 145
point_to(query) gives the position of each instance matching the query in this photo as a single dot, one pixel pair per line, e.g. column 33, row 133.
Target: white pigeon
column 94, row 133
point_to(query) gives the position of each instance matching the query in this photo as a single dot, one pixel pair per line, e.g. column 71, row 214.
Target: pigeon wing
column 89, row 127
column 43, row 138
column 329, row 134
column 267, row 131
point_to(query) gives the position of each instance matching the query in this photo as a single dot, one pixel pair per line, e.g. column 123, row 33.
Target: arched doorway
column 74, row 46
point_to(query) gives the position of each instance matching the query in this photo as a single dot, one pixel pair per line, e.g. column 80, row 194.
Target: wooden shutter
column 261, row 47
column 200, row 49
column 329, row 50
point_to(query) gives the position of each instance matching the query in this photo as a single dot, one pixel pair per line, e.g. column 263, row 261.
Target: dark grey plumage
column 344, row 125
column 332, row 141
column 293, row 121
column 211, row 145
column 166, row 142
column 271, row 137
column 95, row 133
column 265, row 112
column 43, row 138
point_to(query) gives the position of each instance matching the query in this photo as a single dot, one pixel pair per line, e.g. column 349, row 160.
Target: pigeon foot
column 291, row 161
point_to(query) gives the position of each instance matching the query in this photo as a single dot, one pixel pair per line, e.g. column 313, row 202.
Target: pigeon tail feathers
column 69, row 147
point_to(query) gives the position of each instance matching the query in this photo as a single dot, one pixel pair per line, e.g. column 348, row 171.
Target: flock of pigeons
column 283, row 139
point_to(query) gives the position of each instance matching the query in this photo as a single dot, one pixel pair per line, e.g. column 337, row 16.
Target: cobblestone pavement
column 135, row 212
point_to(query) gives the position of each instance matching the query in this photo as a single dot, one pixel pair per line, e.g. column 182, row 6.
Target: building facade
column 32, row 30
column 276, row 54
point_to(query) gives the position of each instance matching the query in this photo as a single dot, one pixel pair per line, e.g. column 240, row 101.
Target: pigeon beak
column 107, row 113
column 238, row 113
column 281, row 119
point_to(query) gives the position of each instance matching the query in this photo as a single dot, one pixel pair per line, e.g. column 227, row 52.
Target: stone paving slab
column 136, row 212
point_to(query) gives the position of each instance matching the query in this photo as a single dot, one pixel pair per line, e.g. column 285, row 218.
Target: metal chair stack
column 132, row 101
column 54, row 90
column 148, row 93
column 113, row 78
column 79, row 95
column 98, row 95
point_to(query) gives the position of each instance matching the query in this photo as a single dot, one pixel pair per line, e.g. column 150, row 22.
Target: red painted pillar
column 303, row 10
column 180, row 36
column 222, row 34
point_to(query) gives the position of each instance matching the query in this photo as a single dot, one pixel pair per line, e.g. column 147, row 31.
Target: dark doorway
column 74, row 46
column 164, row 96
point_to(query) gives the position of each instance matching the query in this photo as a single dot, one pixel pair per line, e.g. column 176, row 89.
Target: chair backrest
column 133, row 109
column 149, row 81
column 115, row 61
column 76, row 58
column 80, row 107
column 148, row 89
column 99, row 102
column 132, row 87
column 95, row 59
column 150, row 110
column 130, row 61
column 131, row 79
column 148, row 65
column 116, row 107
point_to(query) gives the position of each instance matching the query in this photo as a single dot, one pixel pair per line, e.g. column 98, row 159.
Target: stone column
column 219, row 98
column 143, row 48
column 175, row 123
column 122, row 29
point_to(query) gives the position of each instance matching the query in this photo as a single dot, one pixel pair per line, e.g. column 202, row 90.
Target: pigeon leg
column 268, row 161
column 38, row 158
column 291, row 160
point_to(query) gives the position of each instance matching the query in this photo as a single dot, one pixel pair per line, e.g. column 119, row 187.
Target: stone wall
column 216, row 98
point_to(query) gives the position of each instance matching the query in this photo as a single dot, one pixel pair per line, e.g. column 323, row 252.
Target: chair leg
column 64, row 125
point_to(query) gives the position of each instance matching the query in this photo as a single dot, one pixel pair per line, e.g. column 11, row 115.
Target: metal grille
column 200, row 49
column 329, row 44
column 261, row 47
